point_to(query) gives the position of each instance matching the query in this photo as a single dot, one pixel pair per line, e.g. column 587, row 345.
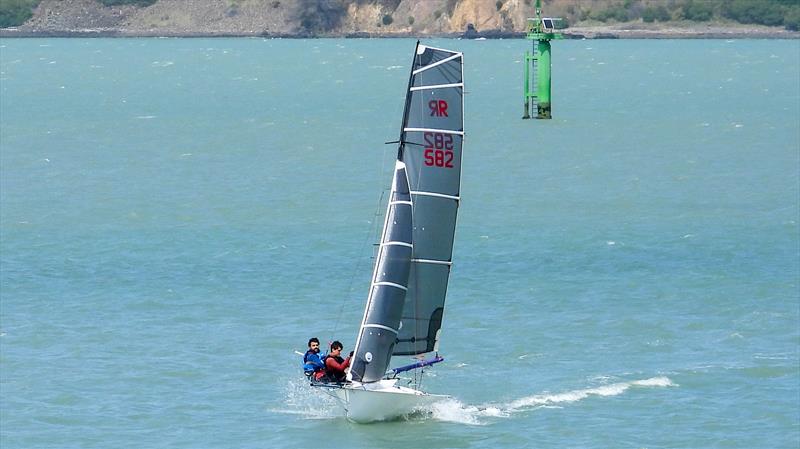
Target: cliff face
column 351, row 17
column 284, row 17
column 165, row 17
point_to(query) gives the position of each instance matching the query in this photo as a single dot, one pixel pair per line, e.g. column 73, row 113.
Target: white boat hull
column 381, row 401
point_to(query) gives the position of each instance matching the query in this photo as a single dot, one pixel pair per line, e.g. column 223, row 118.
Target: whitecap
column 577, row 395
column 453, row 410
column 771, row 356
column 662, row 381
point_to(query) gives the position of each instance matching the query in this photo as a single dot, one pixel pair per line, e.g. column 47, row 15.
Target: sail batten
column 438, row 63
column 405, row 306
column 435, row 130
column 438, row 86
column 437, row 195
column 390, row 284
column 409, row 245
column 378, row 326
column 438, row 262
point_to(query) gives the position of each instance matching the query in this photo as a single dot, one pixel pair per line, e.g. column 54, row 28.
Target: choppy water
column 177, row 216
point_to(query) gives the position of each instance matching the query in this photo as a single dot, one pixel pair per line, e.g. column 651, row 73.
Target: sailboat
column 405, row 305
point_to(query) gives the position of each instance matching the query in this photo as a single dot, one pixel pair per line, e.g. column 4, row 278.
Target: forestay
column 404, row 310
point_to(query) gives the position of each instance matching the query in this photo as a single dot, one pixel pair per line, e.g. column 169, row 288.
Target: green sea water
column 178, row 216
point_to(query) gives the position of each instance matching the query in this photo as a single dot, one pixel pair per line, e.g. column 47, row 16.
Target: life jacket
column 320, row 372
column 325, row 376
column 338, row 359
column 310, row 368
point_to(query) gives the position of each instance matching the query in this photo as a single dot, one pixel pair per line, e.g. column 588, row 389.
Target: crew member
column 312, row 363
column 335, row 365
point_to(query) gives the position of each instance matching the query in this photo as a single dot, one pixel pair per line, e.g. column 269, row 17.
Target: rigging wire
column 375, row 233
column 364, row 244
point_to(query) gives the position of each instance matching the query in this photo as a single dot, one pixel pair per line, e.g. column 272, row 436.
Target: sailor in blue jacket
column 312, row 362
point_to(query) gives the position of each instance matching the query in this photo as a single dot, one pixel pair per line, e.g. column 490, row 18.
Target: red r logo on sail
column 438, row 108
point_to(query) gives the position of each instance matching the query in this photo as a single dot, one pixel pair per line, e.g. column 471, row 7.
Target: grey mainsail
column 405, row 306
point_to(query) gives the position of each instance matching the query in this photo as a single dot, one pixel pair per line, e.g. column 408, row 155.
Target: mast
column 407, row 105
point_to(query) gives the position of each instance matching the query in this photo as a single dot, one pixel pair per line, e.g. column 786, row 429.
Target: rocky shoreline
column 581, row 33
column 570, row 33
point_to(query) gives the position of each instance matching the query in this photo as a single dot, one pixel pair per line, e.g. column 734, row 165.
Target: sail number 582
column 438, row 150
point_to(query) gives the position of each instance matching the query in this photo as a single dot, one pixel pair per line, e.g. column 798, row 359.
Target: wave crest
column 453, row 410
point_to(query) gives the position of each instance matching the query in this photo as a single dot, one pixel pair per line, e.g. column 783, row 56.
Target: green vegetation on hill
column 16, row 12
column 761, row 12
column 765, row 12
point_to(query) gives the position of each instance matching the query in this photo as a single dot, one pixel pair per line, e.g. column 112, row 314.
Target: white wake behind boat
column 405, row 306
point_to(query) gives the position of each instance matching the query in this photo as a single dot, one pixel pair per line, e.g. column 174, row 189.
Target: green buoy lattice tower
column 537, row 64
